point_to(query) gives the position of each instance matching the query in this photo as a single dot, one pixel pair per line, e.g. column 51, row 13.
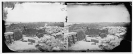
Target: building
column 72, row 38
column 9, row 37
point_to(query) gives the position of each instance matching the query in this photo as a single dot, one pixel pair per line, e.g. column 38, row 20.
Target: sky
column 36, row 12
column 46, row 12
column 116, row 13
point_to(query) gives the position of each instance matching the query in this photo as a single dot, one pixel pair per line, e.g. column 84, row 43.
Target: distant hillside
column 96, row 25
column 33, row 25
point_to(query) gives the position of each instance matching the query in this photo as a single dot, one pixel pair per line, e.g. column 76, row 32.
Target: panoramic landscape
column 54, row 36
column 96, row 37
column 33, row 36
column 66, row 27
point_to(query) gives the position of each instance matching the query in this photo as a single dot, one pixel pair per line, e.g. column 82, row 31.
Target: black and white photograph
column 98, row 37
column 64, row 26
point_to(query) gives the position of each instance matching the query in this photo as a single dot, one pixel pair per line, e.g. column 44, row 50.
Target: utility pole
column 66, row 18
